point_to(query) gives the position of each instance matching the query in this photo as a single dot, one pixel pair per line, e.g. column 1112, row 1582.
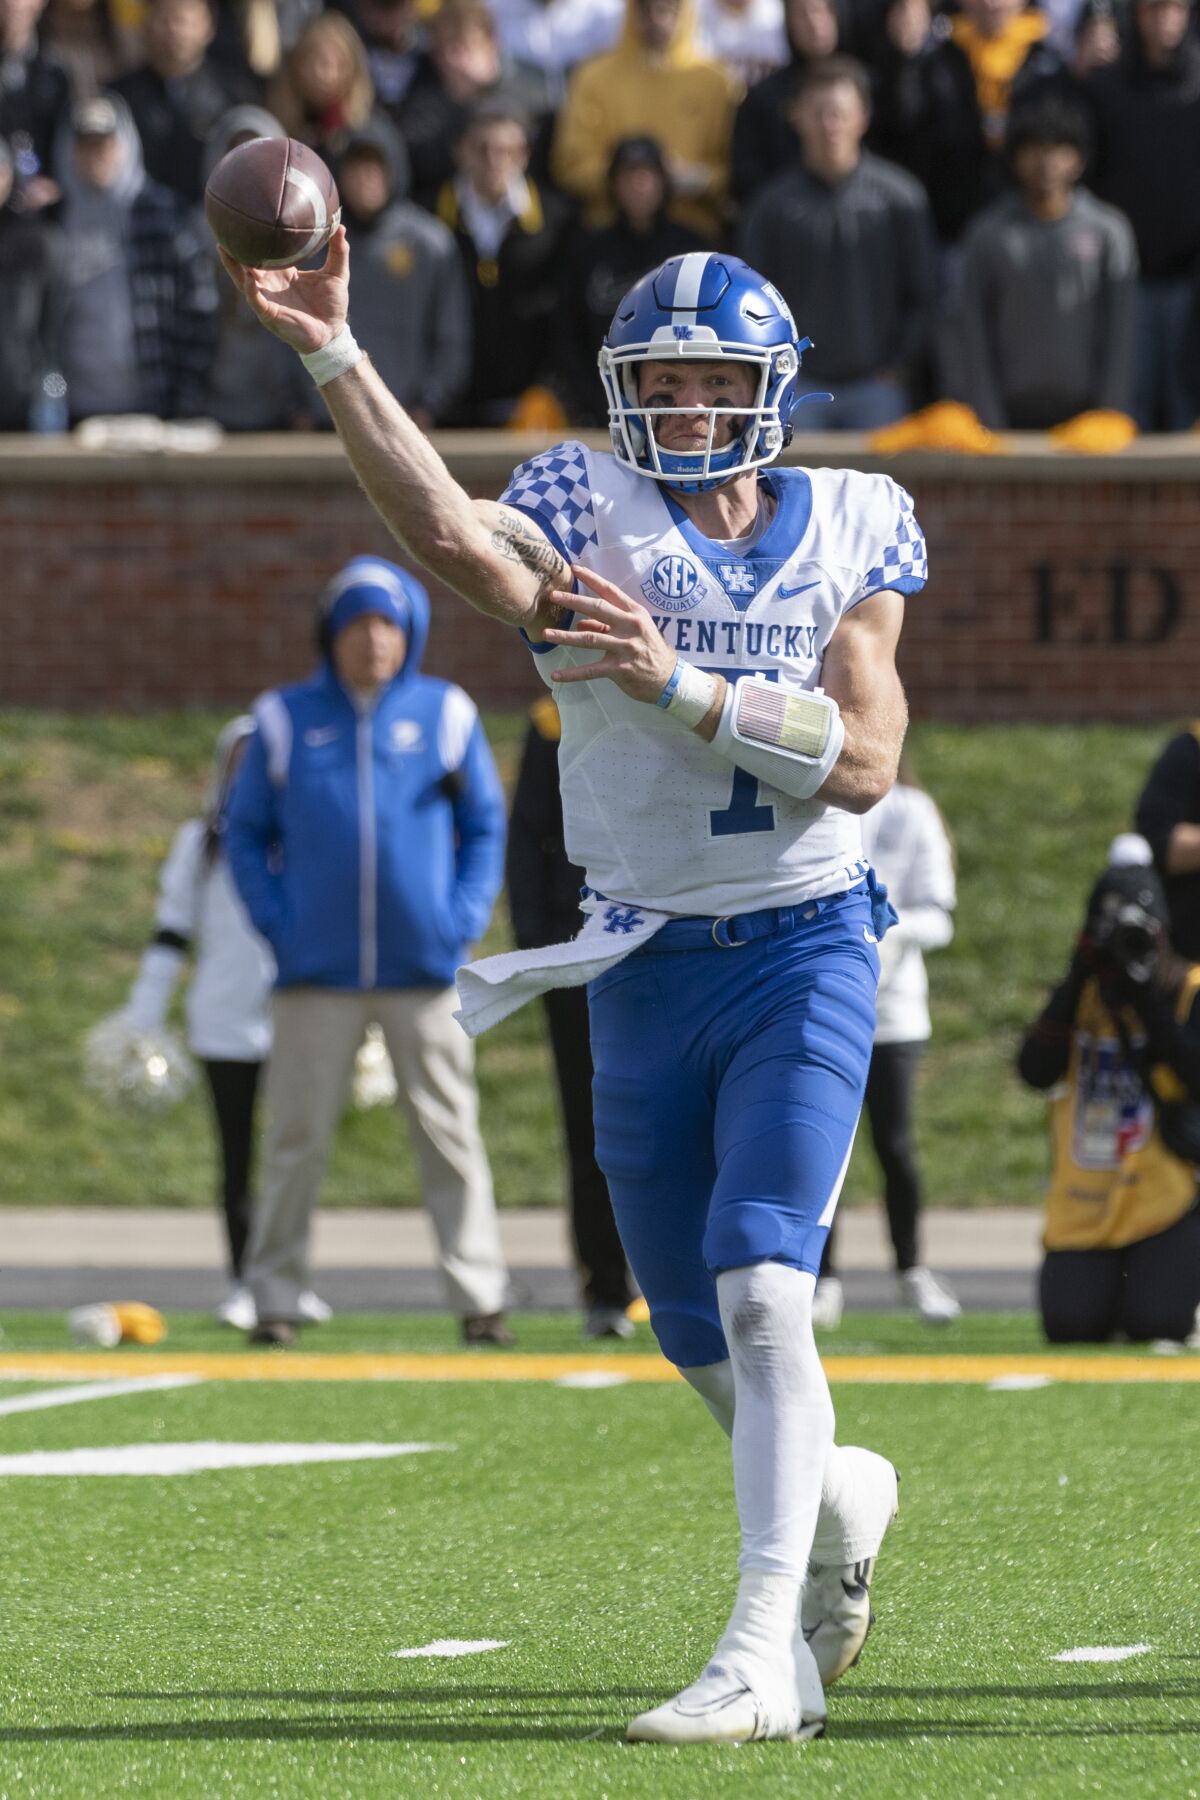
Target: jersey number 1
column 743, row 814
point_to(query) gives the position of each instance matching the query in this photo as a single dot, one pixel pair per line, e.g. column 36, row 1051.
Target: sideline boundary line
column 274, row 1365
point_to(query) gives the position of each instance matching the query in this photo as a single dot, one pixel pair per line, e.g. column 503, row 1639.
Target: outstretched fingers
column 337, row 257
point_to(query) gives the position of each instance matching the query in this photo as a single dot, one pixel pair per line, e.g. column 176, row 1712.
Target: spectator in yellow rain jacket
column 654, row 84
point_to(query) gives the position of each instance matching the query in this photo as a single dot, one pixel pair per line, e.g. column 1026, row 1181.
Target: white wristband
column 333, row 359
column 689, row 694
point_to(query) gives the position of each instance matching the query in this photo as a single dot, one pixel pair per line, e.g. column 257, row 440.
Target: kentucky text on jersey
column 655, row 816
column 738, row 640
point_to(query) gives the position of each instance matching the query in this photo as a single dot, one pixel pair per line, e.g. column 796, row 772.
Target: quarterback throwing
column 720, row 634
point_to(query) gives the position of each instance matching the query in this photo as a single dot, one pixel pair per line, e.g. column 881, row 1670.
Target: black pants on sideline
column 233, row 1087
column 602, row 1260
column 1150, row 1289
column 889, row 1106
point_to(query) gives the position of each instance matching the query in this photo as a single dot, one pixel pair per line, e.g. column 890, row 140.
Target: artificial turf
column 231, row 1633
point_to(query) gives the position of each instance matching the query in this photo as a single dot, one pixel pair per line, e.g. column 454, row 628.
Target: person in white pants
column 910, row 849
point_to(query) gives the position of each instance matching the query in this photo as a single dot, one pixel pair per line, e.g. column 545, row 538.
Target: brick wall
column 1061, row 588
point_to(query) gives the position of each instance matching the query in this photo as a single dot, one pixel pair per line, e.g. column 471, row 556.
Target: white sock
column 850, row 1524
column 783, row 1416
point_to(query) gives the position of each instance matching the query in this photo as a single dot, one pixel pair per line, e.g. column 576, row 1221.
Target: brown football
column 271, row 203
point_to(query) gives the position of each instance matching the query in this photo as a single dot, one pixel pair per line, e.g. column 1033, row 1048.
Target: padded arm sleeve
column 788, row 738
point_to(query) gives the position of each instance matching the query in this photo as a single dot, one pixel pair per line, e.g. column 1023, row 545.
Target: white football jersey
column 656, row 816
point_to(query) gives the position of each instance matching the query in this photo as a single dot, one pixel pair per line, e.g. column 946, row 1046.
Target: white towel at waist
column 489, row 990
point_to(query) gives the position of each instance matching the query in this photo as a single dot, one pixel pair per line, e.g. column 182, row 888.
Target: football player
column 720, row 634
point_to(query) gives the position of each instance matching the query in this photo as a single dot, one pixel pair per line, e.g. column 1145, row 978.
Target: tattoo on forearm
column 515, row 540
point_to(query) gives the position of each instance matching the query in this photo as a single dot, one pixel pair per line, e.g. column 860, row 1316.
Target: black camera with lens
column 1126, row 920
column 1129, row 936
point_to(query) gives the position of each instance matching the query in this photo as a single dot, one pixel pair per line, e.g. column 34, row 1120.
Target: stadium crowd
column 991, row 204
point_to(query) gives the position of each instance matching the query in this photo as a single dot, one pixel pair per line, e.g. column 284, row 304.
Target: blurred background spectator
column 365, row 833
column 30, row 305
column 1146, row 108
column 177, row 94
column 463, row 68
column 1168, row 817
column 82, row 38
column 324, row 92
column 253, row 382
column 943, row 97
column 1118, row 1043
column 510, row 233
column 848, row 241
column 601, row 266
column 906, row 840
column 392, row 36
column 764, row 137
column 549, row 38
column 228, row 1000
column 34, row 97
column 411, row 309
column 657, row 84
column 543, row 898
column 1049, row 283
column 140, row 312
column 746, row 36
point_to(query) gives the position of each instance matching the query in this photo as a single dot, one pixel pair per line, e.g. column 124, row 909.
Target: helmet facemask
column 760, row 435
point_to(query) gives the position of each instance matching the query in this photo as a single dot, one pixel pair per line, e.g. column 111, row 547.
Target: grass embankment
column 87, row 809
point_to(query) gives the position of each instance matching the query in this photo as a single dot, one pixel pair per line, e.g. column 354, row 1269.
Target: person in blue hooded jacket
column 366, row 837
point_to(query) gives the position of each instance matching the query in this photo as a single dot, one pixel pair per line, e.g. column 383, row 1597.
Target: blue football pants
column 728, row 1087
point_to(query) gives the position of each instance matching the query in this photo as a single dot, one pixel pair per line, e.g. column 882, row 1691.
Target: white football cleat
column 931, row 1297
column 828, row 1304
column 835, row 1606
column 237, row 1309
column 722, row 1708
column 312, row 1310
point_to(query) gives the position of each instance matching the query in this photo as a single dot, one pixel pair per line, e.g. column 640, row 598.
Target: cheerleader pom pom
column 374, row 1076
column 130, row 1066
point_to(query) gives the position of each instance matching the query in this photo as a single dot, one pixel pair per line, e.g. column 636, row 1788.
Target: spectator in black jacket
column 510, row 234
column 412, row 314
column 601, row 266
column 1147, row 119
column 179, row 93
column 1168, row 817
column 463, row 68
column 764, row 141
column 942, row 105
column 30, row 303
column 141, row 301
column 848, row 240
column 35, row 97
column 543, row 899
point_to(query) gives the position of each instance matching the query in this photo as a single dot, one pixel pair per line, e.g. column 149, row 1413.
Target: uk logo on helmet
column 673, row 584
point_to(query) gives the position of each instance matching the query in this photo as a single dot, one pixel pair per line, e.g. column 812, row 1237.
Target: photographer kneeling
column 1119, row 1043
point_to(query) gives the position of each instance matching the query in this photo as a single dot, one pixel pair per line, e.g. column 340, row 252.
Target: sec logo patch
column 674, row 584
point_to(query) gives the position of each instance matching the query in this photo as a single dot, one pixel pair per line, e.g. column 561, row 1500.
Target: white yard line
column 96, row 1390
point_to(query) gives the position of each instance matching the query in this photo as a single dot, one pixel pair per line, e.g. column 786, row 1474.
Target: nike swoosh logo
column 869, row 935
column 789, row 593
column 317, row 737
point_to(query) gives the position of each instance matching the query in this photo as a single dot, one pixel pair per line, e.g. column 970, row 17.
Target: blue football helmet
column 708, row 307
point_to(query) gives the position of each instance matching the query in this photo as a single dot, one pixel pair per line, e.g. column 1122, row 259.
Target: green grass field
column 232, row 1633
column 87, row 808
